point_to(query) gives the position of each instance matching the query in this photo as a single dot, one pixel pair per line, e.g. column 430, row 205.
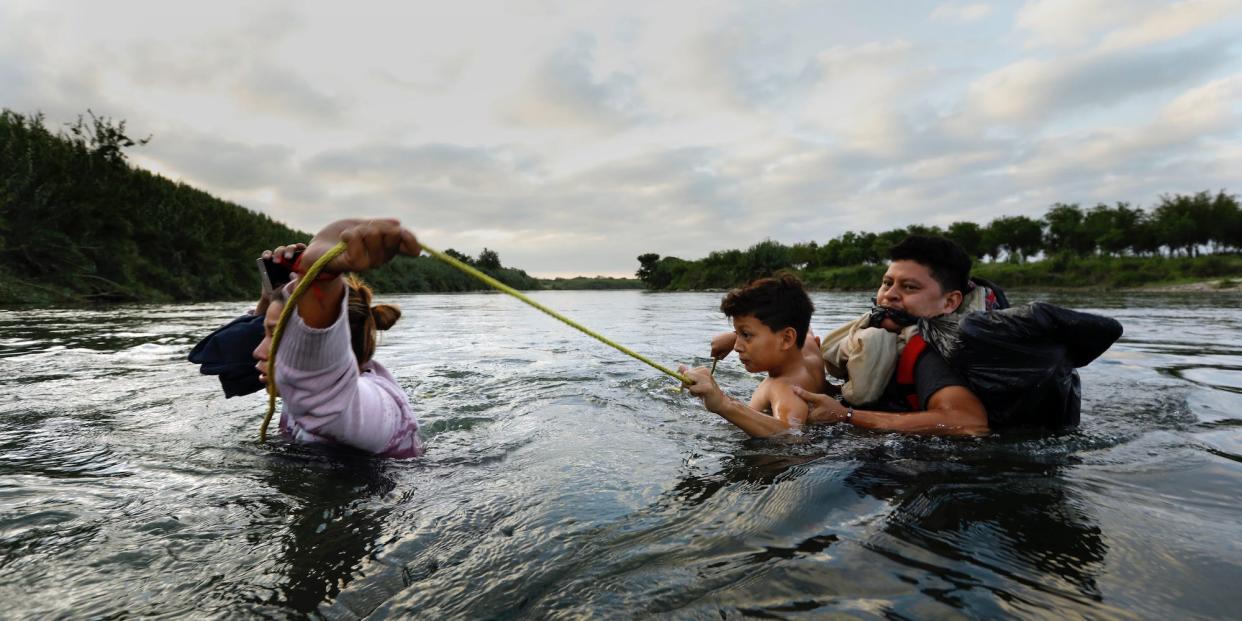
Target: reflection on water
column 328, row 505
column 1014, row 526
column 563, row 481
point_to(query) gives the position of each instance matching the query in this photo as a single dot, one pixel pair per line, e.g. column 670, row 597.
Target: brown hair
column 364, row 319
column 779, row 302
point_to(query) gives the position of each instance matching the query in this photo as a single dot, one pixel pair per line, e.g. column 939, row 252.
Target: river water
column 564, row 480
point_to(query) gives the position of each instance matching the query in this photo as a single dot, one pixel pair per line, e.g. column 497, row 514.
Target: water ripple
column 566, row 481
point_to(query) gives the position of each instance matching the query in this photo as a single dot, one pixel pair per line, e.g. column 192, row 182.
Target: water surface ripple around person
column 563, row 480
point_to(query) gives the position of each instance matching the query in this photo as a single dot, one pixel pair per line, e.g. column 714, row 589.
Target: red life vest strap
column 905, row 369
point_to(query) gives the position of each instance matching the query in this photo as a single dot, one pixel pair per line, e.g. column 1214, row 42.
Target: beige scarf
column 865, row 357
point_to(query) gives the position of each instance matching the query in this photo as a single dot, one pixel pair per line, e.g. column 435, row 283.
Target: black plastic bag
column 227, row 353
column 1021, row 361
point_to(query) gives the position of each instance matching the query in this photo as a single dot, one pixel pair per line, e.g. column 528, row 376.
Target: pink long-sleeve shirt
column 329, row 400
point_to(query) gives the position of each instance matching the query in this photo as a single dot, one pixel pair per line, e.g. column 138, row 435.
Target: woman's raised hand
column 368, row 244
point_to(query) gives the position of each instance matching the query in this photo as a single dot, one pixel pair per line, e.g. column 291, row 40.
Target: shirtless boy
column 771, row 330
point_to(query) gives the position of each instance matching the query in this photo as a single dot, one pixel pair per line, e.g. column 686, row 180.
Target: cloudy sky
column 573, row 136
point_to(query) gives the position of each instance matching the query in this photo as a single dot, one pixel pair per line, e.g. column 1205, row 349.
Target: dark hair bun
column 385, row 315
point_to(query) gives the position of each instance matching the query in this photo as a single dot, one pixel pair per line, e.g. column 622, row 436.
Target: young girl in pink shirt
column 333, row 392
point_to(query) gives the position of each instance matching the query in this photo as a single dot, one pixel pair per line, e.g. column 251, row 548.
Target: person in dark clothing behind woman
column 225, row 353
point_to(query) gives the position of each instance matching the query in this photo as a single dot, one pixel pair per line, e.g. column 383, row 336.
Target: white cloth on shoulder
column 866, row 357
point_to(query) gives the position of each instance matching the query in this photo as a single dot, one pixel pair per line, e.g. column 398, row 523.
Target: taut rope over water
column 309, row 278
column 496, row 284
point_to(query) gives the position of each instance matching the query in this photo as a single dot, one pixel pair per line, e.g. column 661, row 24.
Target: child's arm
column 722, row 344
column 787, row 405
column 753, row 422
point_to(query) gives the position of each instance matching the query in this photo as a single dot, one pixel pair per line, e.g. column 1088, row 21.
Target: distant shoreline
column 1204, row 286
column 1226, row 285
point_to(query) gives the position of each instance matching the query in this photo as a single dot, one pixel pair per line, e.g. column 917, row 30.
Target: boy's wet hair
column 779, row 302
column 948, row 262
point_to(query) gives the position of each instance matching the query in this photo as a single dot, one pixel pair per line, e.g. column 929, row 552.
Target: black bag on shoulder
column 1021, row 361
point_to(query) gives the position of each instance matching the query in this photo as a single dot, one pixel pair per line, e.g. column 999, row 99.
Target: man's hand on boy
column 722, row 344
column 705, row 387
column 824, row 409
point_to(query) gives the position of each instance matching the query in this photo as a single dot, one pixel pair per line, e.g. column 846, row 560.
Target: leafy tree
column 931, row 231
column 805, row 254
column 848, row 249
column 878, row 245
column 766, row 258
column 1066, row 232
column 1018, row 236
column 647, row 267
column 1182, row 222
column 1097, row 223
column 104, row 138
column 1227, row 219
column 1146, row 240
column 460, row 256
column 667, row 271
column 969, row 236
column 489, row 260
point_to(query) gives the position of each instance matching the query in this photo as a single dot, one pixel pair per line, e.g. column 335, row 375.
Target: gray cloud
column 220, row 163
column 445, row 73
column 788, row 121
column 1035, row 90
column 442, row 165
column 303, row 190
column 690, row 201
column 564, row 92
column 280, row 91
column 682, row 201
column 590, row 221
column 954, row 12
column 747, row 69
column 238, row 64
column 1185, row 129
column 1073, row 22
column 31, row 81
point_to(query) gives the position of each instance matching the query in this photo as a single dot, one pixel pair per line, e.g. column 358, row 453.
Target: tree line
column 1179, row 225
column 79, row 223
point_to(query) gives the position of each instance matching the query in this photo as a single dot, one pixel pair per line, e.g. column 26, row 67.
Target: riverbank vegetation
column 1184, row 237
column 78, row 223
column 595, row 283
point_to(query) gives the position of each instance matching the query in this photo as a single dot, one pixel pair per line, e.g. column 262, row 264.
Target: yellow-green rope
column 309, row 278
column 496, row 284
column 304, row 283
